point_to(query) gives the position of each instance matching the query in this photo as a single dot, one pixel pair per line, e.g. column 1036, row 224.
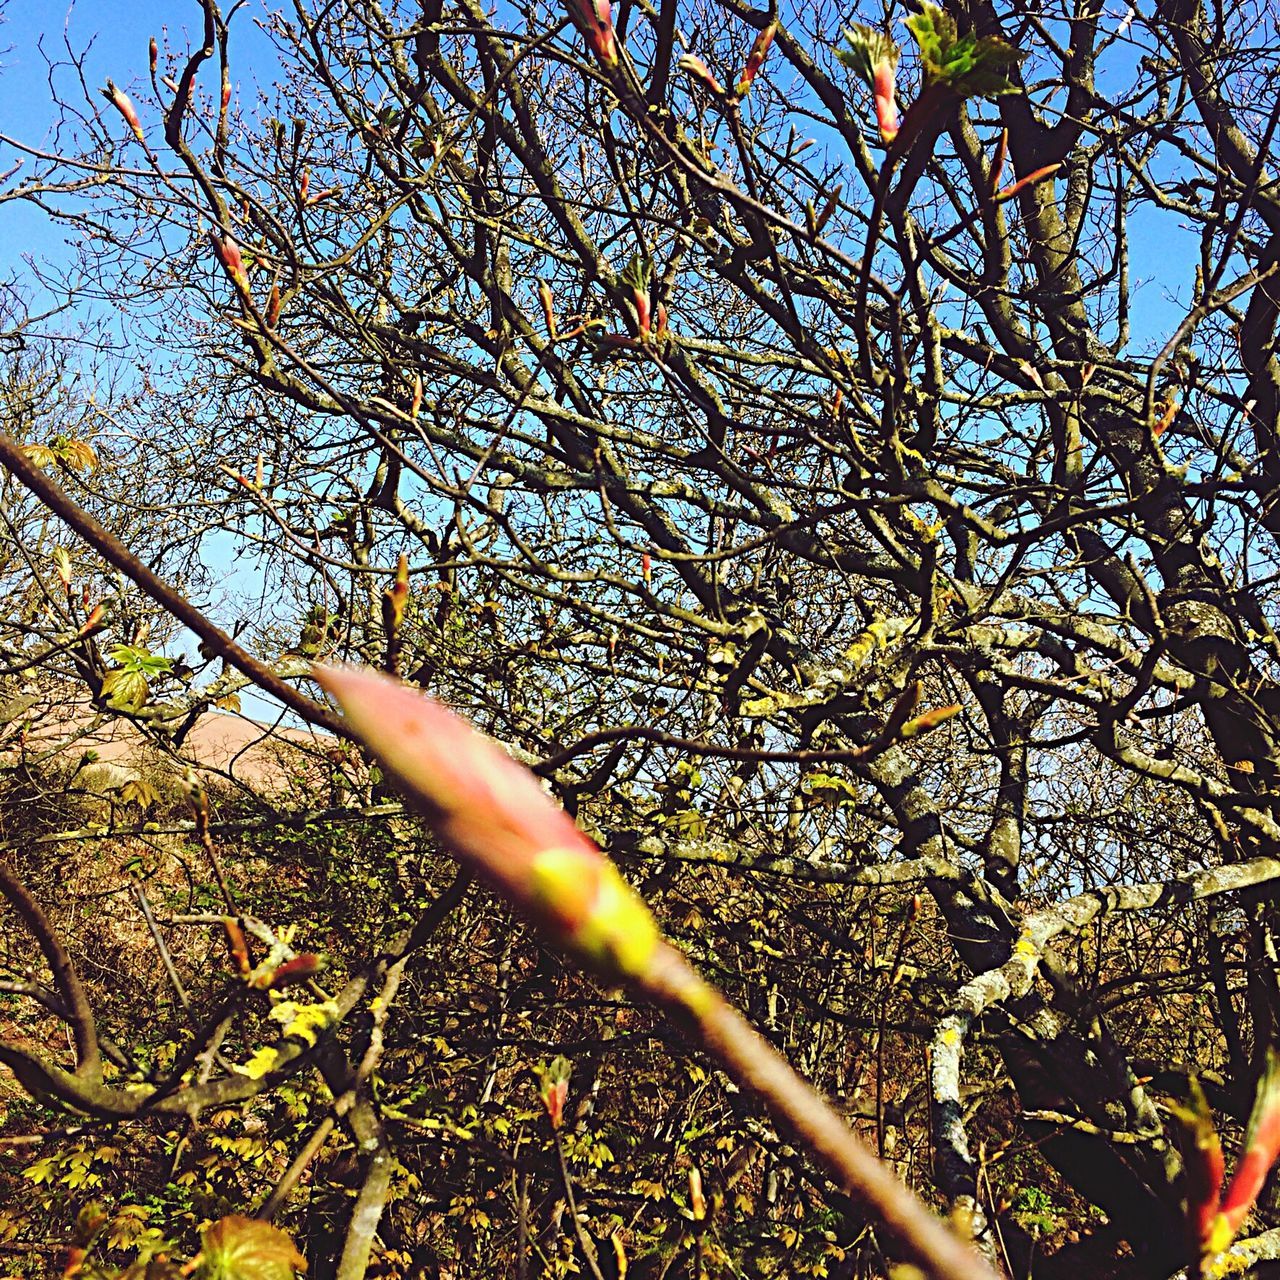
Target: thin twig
column 114, row 552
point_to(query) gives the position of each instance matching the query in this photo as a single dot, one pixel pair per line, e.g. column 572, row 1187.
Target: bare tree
column 726, row 423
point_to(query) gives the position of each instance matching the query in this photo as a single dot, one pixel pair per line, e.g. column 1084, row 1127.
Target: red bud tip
column 1262, row 1146
column 494, row 816
column 553, row 1089
column 886, row 105
column 874, row 58
column 1036, row 175
column 238, row 946
column 228, row 253
column 640, row 298
column 490, row 811
column 300, row 969
column 595, row 19
column 547, row 299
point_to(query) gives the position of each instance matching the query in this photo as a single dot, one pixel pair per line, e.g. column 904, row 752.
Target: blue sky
column 113, row 37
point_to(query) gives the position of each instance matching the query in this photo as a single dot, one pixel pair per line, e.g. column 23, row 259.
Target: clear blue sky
column 115, row 34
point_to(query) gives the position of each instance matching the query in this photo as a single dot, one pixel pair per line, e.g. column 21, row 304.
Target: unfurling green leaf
column 868, row 50
column 133, row 659
column 638, row 273
column 969, row 65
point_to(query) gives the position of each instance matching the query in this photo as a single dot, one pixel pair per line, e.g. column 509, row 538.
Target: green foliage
column 970, row 65
column 125, row 687
column 133, row 659
column 1036, row 1211
column 828, row 788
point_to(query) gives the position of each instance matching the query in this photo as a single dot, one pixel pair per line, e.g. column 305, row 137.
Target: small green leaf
column 828, row 786
column 638, row 273
column 246, row 1249
column 142, row 660
column 868, row 49
column 125, row 690
column 935, row 33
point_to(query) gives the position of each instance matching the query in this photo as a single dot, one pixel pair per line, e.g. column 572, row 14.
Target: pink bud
column 94, row 620
column 547, row 298
column 1262, row 1146
column 153, row 53
column 696, row 69
column 755, row 59
column 1037, row 175
column 553, row 1089
column 125, row 107
column 640, row 298
column 228, row 253
column 488, row 810
column 874, row 58
column 886, row 104
column 300, row 969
